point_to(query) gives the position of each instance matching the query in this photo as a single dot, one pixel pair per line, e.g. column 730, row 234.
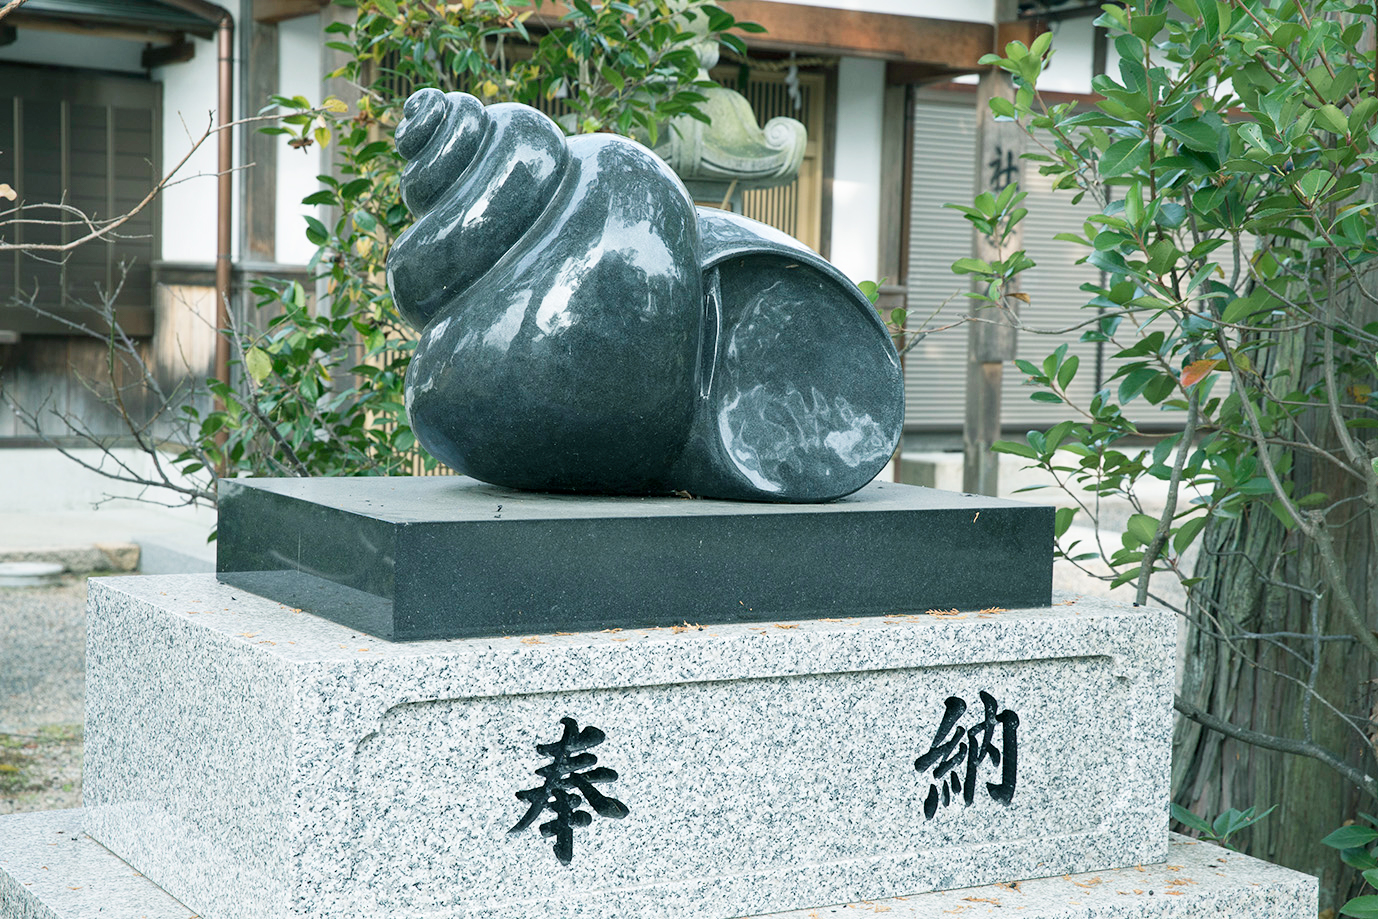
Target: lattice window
column 90, row 141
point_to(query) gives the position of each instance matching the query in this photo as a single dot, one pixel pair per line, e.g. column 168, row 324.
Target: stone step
column 117, row 539
column 103, row 557
column 49, row 869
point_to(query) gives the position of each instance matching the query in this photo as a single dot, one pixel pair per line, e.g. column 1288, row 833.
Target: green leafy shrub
column 1231, row 158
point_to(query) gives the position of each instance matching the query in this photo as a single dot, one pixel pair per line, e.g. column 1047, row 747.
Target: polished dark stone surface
column 584, row 328
column 449, row 557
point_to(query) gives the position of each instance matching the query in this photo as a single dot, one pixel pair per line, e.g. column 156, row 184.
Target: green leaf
column 1350, row 837
column 1241, row 308
column 1134, row 382
column 1162, row 256
column 1210, row 18
column 1186, row 534
column 1359, row 858
column 1134, row 204
column 1315, row 182
column 971, row 266
column 1142, row 527
column 316, row 231
column 1002, row 108
column 1332, row 119
column 1253, row 135
column 1145, row 27
column 1014, row 448
column 1194, row 134
column 1362, row 113
column 1287, row 33
column 1124, row 156
column 1049, row 397
column 1171, row 215
column 1365, row 907
column 258, row 363
column 1067, row 372
column 1062, row 520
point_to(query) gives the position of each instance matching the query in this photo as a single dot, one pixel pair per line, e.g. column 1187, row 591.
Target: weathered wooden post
column 991, row 336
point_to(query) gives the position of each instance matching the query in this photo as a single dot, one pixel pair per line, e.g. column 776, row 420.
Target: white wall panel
column 299, row 74
column 189, row 207
column 855, row 246
column 964, row 10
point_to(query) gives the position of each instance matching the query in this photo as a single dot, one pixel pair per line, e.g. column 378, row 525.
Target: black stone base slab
column 411, row 558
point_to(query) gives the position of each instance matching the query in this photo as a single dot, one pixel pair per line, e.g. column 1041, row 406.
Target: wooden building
column 99, row 97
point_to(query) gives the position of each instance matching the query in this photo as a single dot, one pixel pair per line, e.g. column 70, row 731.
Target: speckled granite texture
column 48, row 870
column 1198, row 881
column 261, row 762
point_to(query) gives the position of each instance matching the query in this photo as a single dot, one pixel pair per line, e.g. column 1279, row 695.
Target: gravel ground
column 42, row 695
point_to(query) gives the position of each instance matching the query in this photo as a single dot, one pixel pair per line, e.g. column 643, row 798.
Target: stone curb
column 102, row 556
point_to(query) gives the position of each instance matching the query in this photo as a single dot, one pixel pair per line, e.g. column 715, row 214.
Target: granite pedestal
column 50, row 870
column 409, row 558
column 256, row 761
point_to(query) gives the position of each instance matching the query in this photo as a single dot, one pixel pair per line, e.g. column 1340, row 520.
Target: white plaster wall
column 35, row 46
column 856, row 168
column 964, row 10
column 190, row 98
column 1070, row 69
column 299, row 74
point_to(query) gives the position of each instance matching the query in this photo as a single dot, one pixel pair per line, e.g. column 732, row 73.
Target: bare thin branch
column 1357, row 777
column 105, row 228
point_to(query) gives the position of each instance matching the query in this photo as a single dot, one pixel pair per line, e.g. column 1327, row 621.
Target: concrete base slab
column 49, row 870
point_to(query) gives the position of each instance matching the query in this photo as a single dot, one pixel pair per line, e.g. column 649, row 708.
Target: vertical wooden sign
column 991, row 334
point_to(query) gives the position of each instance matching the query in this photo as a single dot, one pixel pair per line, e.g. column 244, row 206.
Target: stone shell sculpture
column 585, row 328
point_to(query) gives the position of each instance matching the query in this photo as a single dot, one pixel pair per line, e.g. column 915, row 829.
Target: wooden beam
column 1025, row 30
column 896, row 146
column 901, row 73
column 271, row 11
column 23, row 19
column 259, row 224
column 945, row 43
column 162, row 55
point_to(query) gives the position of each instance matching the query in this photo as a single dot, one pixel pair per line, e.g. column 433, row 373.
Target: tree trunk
column 1245, row 565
